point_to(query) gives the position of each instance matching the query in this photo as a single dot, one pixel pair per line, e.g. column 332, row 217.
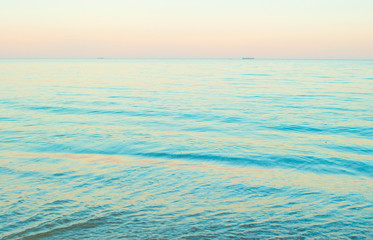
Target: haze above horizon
column 186, row 29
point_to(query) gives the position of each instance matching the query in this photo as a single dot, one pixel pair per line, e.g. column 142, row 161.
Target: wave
column 308, row 163
column 362, row 131
column 256, row 74
column 332, row 165
column 49, row 228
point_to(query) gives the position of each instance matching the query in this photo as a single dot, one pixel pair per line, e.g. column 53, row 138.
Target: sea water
column 186, row 149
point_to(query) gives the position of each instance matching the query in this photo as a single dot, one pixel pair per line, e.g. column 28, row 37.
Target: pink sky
column 194, row 28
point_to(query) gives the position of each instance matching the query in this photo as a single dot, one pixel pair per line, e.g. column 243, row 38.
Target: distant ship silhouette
column 247, row 58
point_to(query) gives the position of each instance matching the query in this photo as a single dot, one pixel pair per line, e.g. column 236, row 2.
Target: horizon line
column 241, row 58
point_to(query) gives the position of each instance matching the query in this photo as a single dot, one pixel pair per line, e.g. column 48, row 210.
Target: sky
column 307, row 29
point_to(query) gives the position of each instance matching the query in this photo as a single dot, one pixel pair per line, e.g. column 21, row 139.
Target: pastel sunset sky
column 186, row 28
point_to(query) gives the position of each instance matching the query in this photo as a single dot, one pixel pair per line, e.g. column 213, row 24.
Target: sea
column 186, row 149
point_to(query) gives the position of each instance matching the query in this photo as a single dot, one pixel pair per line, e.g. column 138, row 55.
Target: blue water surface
column 186, row 149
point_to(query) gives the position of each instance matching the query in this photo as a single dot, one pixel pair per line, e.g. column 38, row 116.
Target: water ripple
column 186, row 149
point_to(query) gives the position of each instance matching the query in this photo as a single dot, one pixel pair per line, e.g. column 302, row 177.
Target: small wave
column 7, row 119
column 201, row 129
column 84, row 111
column 256, row 74
column 323, row 76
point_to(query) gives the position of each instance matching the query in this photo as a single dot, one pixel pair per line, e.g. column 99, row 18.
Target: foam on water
column 189, row 149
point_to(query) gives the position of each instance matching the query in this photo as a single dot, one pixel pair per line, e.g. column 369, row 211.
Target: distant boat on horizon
column 248, row 58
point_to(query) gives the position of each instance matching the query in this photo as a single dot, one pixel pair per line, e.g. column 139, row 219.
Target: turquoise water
column 186, row 149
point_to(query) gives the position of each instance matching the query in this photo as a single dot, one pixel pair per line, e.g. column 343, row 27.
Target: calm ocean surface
column 186, row 149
